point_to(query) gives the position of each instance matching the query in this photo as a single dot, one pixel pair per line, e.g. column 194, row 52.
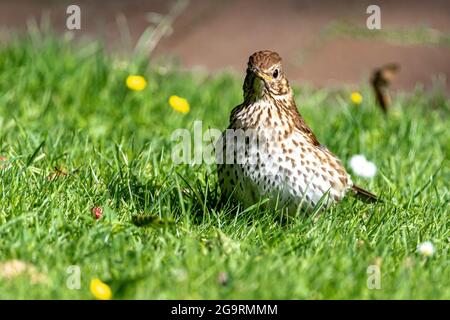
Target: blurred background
column 323, row 43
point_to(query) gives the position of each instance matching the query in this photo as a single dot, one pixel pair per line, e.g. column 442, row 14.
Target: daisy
column 426, row 249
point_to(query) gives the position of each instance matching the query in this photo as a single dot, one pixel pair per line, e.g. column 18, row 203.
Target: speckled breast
column 267, row 163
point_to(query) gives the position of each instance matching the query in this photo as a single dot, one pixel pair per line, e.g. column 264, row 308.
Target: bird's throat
column 266, row 111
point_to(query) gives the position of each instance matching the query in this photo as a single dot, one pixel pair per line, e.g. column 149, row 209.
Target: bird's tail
column 364, row 195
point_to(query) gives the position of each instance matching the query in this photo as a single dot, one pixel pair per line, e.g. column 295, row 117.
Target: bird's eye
column 275, row 74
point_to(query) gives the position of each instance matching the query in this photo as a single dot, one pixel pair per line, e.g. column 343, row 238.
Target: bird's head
column 265, row 75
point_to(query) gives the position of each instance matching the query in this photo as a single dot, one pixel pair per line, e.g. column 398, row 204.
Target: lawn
column 74, row 137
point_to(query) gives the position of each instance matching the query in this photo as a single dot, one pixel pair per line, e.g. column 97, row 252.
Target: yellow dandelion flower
column 179, row 104
column 136, row 83
column 100, row 290
column 356, row 98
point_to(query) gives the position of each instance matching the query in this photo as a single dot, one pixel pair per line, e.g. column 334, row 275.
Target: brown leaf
column 14, row 268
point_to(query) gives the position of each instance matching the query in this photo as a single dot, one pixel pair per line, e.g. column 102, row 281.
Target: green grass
column 415, row 35
column 67, row 106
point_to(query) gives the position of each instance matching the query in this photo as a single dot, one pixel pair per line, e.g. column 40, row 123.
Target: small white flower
column 426, row 249
column 362, row 167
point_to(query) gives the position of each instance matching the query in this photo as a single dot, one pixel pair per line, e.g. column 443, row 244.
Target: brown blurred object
column 11, row 269
column 60, row 172
column 56, row 173
column 381, row 79
column 2, row 159
column 222, row 278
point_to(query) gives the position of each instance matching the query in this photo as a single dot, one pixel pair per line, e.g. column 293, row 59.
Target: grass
column 415, row 35
column 161, row 235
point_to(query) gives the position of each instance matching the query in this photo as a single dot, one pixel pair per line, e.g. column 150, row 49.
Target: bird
column 381, row 79
column 269, row 152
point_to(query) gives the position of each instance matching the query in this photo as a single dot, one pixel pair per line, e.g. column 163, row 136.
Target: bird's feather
column 364, row 195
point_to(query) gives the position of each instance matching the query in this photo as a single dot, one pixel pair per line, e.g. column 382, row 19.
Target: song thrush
column 268, row 151
column 381, row 79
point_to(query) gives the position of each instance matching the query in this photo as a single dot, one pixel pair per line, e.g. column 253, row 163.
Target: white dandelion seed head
column 362, row 167
column 426, row 249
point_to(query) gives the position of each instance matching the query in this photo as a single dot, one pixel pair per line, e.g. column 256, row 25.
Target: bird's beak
column 261, row 75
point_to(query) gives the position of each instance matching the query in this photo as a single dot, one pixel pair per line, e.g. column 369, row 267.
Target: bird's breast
column 266, row 163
